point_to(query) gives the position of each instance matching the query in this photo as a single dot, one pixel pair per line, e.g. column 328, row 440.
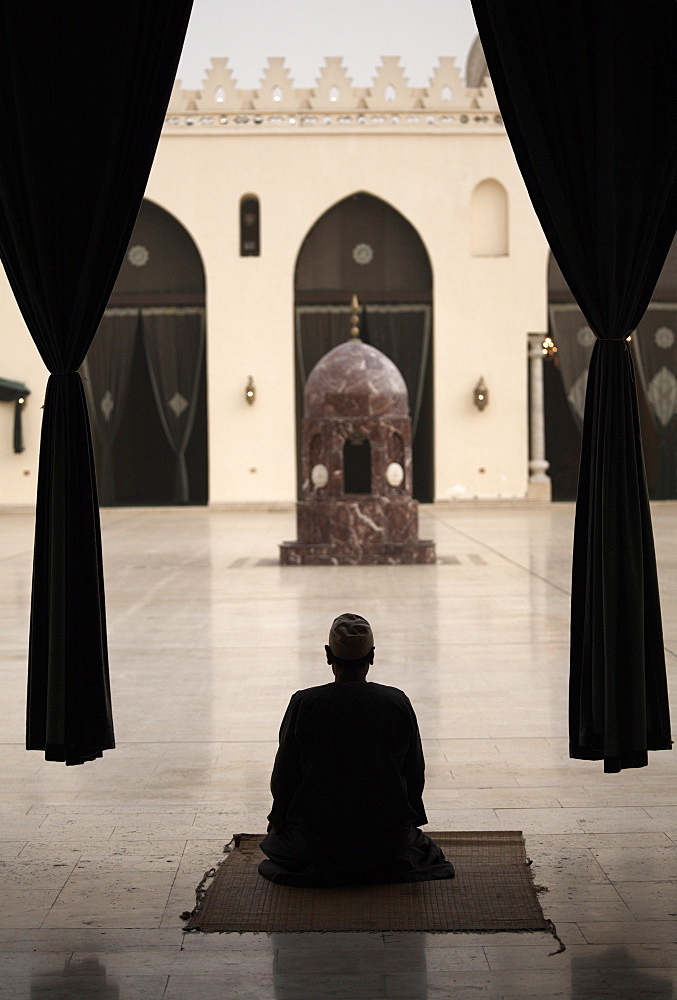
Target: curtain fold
column 174, row 340
column 105, row 372
column 587, row 93
column 70, row 189
column 318, row 330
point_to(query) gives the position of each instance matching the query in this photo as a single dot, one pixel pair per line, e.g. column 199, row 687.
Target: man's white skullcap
column 350, row 637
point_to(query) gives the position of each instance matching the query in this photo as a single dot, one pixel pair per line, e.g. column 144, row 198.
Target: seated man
column 348, row 779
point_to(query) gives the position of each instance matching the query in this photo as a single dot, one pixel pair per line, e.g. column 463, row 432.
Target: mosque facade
column 265, row 212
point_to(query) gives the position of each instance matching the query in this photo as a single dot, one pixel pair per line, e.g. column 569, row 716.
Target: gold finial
column 355, row 318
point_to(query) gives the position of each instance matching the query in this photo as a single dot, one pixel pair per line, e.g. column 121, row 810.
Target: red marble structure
column 356, row 506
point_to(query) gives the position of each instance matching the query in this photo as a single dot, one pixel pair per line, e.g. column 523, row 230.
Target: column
column 540, row 486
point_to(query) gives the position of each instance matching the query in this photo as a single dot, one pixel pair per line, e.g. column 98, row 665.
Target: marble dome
column 355, row 380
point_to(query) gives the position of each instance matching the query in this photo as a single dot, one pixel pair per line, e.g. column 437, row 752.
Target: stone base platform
column 386, row 554
column 366, row 530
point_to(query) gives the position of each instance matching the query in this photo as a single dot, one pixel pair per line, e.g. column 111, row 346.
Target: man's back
column 349, row 765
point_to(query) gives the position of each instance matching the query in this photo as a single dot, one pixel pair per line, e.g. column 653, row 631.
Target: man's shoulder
column 372, row 689
column 388, row 691
column 311, row 693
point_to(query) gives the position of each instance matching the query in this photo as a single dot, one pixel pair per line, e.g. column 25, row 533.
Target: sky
column 247, row 32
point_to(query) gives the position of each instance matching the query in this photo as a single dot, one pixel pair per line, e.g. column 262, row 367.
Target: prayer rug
column 493, row 891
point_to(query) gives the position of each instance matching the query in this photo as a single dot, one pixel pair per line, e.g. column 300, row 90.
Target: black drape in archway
column 71, row 183
column 587, row 92
column 105, row 372
column 655, row 353
column 174, row 343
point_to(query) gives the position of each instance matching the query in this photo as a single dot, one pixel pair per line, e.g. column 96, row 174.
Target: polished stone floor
column 208, row 638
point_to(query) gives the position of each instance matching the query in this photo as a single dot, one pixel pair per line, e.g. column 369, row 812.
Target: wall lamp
column 250, row 391
column 480, row 394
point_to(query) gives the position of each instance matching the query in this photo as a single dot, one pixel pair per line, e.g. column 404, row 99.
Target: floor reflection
column 318, row 965
column 90, row 983
column 620, row 971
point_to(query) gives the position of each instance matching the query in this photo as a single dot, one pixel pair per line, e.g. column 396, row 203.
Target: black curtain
column 174, row 340
column 105, row 372
column 70, row 187
column 587, row 92
column 319, row 329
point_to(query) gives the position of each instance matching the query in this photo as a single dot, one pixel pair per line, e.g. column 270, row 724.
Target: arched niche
column 489, row 219
column 364, row 246
column 162, row 264
column 145, row 372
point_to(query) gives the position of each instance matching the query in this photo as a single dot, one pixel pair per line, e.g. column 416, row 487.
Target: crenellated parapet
column 446, row 104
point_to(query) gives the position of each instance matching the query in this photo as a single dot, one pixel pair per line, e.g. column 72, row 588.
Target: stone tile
column 174, row 961
column 646, row 983
column 238, row 983
column 532, row 821
column 232, row 942
column 527, row 984
column 616, row 820
column 130, row 899
column 650, row 900
column 629, row 931
column 83, row 939
column 634, row 864
column 84, row 987
column 583, row 912
column 11, row 848
column 462, row 939
column 602, row 841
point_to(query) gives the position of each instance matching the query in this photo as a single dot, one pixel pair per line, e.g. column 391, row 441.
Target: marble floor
column 208, row 638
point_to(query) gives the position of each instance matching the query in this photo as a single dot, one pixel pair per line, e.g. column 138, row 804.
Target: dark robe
column 347, row 789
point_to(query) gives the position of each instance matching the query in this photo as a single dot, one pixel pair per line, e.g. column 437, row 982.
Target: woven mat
column 493, row 891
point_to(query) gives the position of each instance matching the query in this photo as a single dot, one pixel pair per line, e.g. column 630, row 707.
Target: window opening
column 250, row 227
column 357, row 466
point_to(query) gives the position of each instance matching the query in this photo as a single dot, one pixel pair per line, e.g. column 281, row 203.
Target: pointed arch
column 363, row 245
column 145, row 372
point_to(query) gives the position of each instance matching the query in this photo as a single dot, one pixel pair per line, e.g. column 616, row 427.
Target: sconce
column 481, row 394
column 250, row 391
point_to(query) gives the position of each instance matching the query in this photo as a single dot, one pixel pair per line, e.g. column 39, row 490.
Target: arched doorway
column 654, row 349
column 145, row 373
column 365, row 247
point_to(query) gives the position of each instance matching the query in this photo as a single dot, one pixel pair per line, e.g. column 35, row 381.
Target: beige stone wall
column 20, row 362
column 483, row 306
